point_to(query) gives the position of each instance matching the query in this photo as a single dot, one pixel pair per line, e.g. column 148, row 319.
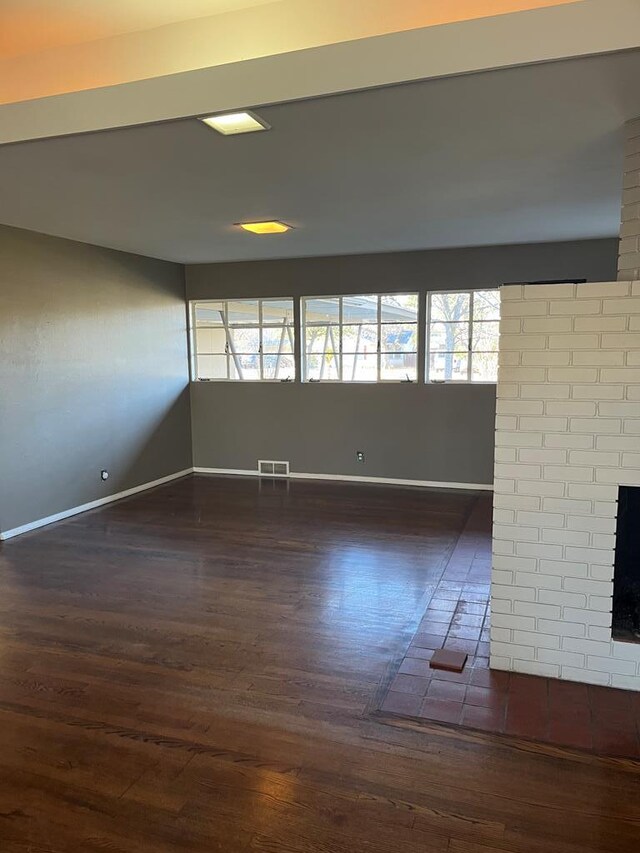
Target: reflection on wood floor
column 197, row 669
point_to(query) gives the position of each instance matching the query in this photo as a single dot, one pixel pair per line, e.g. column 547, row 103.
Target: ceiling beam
column 573, row 29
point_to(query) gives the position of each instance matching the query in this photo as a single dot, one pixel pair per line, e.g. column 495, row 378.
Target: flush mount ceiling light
column 233, row 123
column 272, row 226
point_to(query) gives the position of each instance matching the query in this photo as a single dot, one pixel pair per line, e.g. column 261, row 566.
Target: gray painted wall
column 423, row 432
column 441, row 269
column 93, row 373
column 436, row 432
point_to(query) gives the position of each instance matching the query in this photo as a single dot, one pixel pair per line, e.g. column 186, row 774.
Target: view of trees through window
column 463, row 333
column 367, row 338
column 359, row 338
column 244, row 339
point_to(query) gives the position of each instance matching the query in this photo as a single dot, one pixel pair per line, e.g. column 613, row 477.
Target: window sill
column 460, row 382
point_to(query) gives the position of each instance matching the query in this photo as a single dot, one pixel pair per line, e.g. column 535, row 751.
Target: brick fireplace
column 567, row 439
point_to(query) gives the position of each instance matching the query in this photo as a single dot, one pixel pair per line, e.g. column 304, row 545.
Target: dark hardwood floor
column 198, row 668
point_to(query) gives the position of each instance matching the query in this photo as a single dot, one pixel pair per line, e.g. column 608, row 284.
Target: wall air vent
column 270, row 468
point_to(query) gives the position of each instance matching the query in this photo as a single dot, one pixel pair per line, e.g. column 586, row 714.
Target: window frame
column 290, row 327
column 470, row 353
column 339, row 325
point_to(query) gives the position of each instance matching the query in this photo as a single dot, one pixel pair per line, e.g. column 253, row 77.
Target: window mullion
column 227, row 348
column 470, row 353
column 193, row 342
column 303, row 340
column 427, row 344
column 340, row 345
column 260, row 373
column 379, row 353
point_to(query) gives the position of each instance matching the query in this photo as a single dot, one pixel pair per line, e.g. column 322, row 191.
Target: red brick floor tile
column 566, row 693
column 415, row 666
column 458, row 677
column 468, row 646
column 447, row 604
column 403, row 683
column 456, row 574
column 428, row 626
column 418, row 652
column 573, row 714
column 534, row 705
column 472, row 608
column 615, row 742
column 446, row 594
column 428, row 641
column 453, row 690
column 468, row 619
column 464, row 632
column 485, row 697
column 609, row 698
column 440, row 616
column 525, row 720
column 477, row 600
column 611, row 708
column 494, row 678
column 441, row 710
column 569, row 733
column 615, row 719
column 476, row 575
column 533, row 688
column 443, row 605
column 568, row 714
column 487, row 719
column 406, row 704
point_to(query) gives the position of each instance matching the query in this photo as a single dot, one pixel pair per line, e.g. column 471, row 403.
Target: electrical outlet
column 359, row 455
column 104, row 475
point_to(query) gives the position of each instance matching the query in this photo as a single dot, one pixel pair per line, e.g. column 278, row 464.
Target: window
column 462, row 336
column 243, row 340
column 368, row 338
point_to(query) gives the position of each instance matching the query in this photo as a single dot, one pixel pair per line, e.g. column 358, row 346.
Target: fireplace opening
column 626, row 574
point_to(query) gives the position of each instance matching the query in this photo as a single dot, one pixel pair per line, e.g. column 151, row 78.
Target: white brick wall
column 567, row 435
column 629, row 251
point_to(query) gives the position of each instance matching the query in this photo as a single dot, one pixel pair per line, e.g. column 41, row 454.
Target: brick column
column 629, row 252
column 567, row 435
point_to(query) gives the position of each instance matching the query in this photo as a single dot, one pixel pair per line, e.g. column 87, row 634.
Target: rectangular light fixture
column 272, row 226
column 233, row 123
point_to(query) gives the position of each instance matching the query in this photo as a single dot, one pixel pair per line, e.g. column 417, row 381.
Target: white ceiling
column 519, row 155
column 29, row 26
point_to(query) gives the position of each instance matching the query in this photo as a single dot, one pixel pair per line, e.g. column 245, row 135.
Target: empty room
column 320, row 426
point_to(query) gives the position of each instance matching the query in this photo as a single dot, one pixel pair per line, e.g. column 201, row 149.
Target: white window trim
column 468, row 380
column 338, row 326
column 290, row 328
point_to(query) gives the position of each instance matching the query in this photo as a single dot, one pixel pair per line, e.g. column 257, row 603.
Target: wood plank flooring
column 197, row 669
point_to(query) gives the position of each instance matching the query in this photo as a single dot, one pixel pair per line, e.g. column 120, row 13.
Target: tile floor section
column 597, row 719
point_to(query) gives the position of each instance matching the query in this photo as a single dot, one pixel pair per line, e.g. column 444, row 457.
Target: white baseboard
column 348, row 478
column 237, row 471
column 76, row 510
column 67, row 513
